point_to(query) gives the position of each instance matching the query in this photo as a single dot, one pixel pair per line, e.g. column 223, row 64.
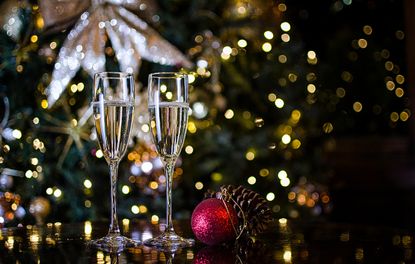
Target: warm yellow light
column 287, row 256
column 163, row 88
column 87, row 227
column 74, row 88
column 285, row 26
column 357, row 107
column 242, row 43
column 34, row 161
column 87, row 203
column 57, row 193
column 191, row 78
column 270, row 196
column 227, row 50
column 286, row 139
column 282, row 58
column 311, row 88
column 296, row 144
column 191, row 126
column 264, row 172
column 272, row 97
column 125, row 222
column 400, row 79
column 225, row 56
column 279, row 103
column 33, row 38
column 311, row 54
column 390, row 85
column 81, row 87
column 367, row 30
column 389, row 66
column 347, row 76
column 143, row 209
column 49, row 191
column 296, row 115
column 340, row 92
column 153, row 185
column 229, row 114
column 362, row 43
column 328, row 127
column 199, row 185
column 292, row 77
column 29, row 174
column 87, row 184
column 394, row 116
column 267, row 47
column 282, row 7
column 216, row 176
column 359, row 254
column 99, row 154
column 282, row 174
column 251, row 180
column 125, row 189
column 17, row 134
column 250, row 155
column 285, row 182
column 404, row 116
column 399, row 92
column 285, row 37
column 188, row 149
column 44, row 104
column 154, row 219
column 134, row 209
column 145, row 128
column 268, row 34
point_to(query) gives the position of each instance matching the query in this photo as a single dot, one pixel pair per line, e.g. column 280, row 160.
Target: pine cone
column 248, row 204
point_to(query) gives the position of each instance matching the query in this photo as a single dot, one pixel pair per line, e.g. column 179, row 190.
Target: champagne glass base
column 169, row 241
column 114, row 243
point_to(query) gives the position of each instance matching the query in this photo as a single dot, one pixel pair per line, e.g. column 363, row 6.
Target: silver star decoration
column 130, row 36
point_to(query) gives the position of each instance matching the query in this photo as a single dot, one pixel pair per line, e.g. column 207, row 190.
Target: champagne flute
column 113, row 105
column 168, row 106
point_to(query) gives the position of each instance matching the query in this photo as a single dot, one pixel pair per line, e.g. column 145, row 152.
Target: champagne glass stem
column 114, row 229
column 169, row 169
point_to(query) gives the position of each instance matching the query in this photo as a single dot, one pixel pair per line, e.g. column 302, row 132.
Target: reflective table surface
column 284, row 242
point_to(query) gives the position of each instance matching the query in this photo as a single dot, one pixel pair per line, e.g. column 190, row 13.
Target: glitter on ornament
column 214, row 221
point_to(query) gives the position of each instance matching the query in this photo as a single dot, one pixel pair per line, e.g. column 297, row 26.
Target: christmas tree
column 271, row 83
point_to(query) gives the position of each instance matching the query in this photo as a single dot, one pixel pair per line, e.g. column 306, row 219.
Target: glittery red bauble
column 212, row 221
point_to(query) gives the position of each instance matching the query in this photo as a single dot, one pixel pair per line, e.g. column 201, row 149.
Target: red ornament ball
column 214, row 221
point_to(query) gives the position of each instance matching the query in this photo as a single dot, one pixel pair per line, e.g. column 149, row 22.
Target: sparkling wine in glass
column 113, row 106
column 168, row 106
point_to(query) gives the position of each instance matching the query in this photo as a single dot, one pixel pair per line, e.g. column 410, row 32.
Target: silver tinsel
column 130, row 36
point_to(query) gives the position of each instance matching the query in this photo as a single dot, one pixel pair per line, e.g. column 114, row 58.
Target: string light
column 242, row 43
column 268, row 35
column 199, row 185
column 229, row 114
column 270, row 196
column 251, row 180
column 285, row 26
